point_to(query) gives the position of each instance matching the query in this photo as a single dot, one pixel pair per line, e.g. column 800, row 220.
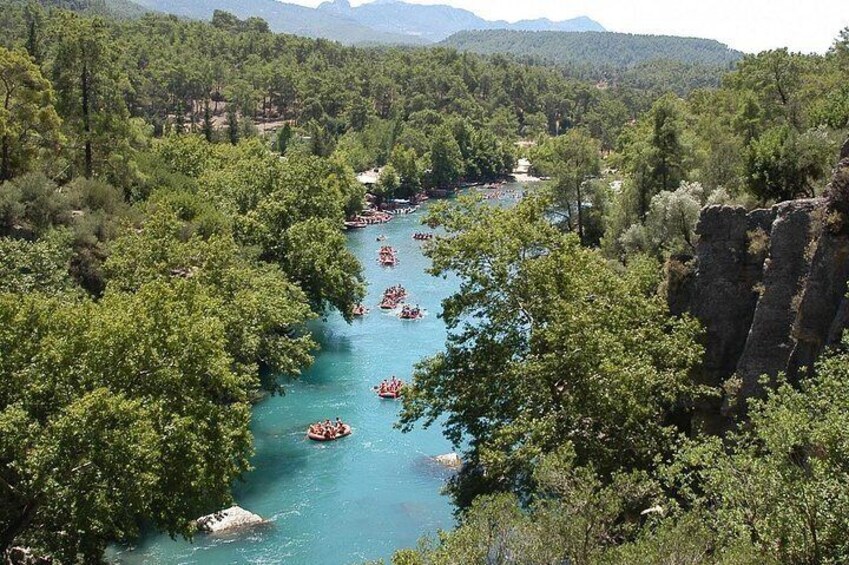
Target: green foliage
column 409, row 171
column 113, row 413
column 779, row 482
column 262, row 312
column 272, row 204
column 783, row 164
column 648, row 61
column 40, row 266
column 89, row 84
column 446, row 160
column 574, row 518
column 571, row 160
column 548, row 344
column 28, row 121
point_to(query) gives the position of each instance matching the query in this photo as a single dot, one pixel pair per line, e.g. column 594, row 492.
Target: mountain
column 613, row 50
column 119, row 9
column 284, row 18
column 437, row 22
column 381, row 21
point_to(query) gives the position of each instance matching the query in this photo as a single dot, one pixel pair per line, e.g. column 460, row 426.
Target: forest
column 647, row 62
column 171, row 206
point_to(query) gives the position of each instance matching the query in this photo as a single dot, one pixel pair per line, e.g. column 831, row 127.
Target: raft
column 346, row 431
column 390, row 395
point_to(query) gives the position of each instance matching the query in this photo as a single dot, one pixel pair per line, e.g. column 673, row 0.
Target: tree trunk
column 86, row 120
column 580, row 213
column 5, row 165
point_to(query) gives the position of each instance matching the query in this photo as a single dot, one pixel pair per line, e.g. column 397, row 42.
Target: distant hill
column 613, row 50
column 382, row 21
column 120, row 9
column 437, row 22
column 284, row 18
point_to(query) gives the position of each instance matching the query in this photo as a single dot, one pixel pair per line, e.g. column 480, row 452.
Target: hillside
column 120, row 9
column 283, row 18
column 437, row 22
column 382, row 21
column 617, row 50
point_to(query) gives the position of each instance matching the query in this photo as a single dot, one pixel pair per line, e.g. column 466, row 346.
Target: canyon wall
column 769, row 287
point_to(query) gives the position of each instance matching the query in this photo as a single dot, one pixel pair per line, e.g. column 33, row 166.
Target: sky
column 747, row 25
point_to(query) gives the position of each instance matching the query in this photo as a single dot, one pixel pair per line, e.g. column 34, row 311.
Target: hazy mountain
column 437, row 22
column 120, row 9
column 614, row 50
column 283, row 18
column 381, row 21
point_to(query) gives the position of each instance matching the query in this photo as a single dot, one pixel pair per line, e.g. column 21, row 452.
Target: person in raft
column 392, row 386
column 328, row 429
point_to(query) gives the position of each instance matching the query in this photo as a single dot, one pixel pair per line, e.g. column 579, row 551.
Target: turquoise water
column 366, row 495
column 362, row 497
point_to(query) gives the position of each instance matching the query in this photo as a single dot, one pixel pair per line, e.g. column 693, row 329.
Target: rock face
column 451, row 460
column 769, row 287
column 226, row 521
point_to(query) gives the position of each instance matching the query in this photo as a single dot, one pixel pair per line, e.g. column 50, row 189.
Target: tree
column 667, row 161
column 405, row 162
column 571, row 159
column 261, row 310
column 547, row 344
column 783, row 164
column 34, row 19
column 284, row 136
column 670, row 225
column 233, row 132
column 28, row 121
column 780, row 481
column 317, row 259
column 576, row 516
column 89, row 87
column 114, row 413
column 446, row 160
column 208, row 131
column 387, row 183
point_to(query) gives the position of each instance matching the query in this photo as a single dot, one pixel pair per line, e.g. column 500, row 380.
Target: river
column 362, row 497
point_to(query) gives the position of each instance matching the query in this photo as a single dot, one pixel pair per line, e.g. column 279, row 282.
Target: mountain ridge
column 618, row 50
column 436, row 22
column 382, row 21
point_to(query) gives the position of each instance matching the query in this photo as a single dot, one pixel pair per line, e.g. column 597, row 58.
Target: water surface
column 361, row 497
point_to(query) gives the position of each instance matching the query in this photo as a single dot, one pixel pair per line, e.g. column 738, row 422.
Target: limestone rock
column 724, row 294
column 770, row 344
column 451, row 460
column 225, row 521
column 770, row 288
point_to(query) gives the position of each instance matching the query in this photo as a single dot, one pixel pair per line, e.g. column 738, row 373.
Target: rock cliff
column 770, row 288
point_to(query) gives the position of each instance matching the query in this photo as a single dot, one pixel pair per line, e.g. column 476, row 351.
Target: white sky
column 748, row 25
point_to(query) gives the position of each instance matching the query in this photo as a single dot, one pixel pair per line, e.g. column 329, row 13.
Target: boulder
column 225, row 521
column 451, row 460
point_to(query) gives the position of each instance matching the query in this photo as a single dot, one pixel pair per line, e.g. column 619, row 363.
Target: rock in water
column 449, row 460
column 234, row 518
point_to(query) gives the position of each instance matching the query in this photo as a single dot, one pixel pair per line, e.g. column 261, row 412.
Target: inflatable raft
column 346, row 431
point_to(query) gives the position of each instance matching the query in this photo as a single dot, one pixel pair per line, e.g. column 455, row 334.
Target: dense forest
column 669, row 63
column 171, row 207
